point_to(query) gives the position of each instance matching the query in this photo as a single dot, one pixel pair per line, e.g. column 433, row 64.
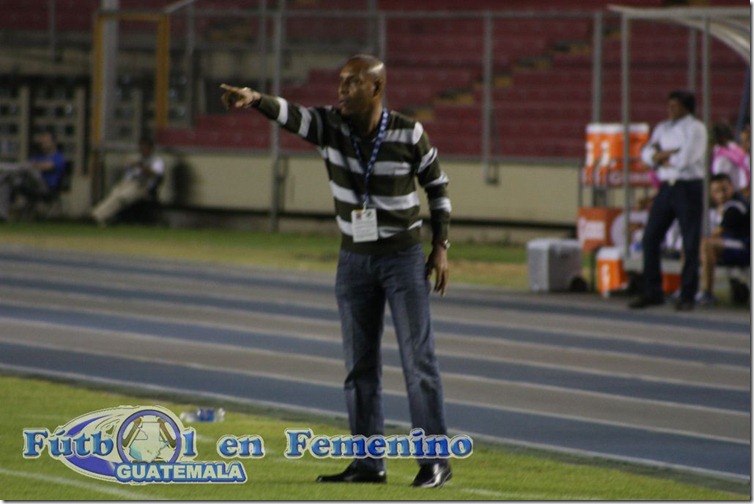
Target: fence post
column 162, row 73
column 274, row 128
column 706, row 113
column 382, row 46
column 597, row 67
column 691, row 77
column 104, row 73
column 626, row 116
column 55, row 55
column 382, row 36
column 262, row 47
column 487, row 100
column 599, row 194
column 190, row 63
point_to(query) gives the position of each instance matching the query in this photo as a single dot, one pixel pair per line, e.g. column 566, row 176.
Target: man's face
column 46, row 142
column 356, row 90
column 675, row 109
column 721, row 191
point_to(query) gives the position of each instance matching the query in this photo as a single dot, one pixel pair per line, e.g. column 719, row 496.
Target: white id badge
column 364, row 225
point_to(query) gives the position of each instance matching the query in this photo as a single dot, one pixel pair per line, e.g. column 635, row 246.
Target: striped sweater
column 405, row 157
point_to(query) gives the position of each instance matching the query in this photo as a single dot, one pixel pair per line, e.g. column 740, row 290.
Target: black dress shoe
column 644, row 301
column 684, row 305
column 354, row 475
column 432, row 476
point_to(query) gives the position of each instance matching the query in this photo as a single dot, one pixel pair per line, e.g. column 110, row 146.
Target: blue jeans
column 363, row 284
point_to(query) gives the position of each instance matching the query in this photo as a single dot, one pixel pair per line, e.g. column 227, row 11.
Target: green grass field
column 490, row 473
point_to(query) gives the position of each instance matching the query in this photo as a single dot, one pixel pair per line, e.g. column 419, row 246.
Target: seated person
column 41, row 175
column 728, row 157
column 730, row 242
column 140, row 179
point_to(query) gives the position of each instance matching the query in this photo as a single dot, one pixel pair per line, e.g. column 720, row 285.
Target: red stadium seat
column 435, row 65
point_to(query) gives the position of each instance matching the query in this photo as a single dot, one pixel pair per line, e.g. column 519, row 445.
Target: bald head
column 370, row 65
column 362, row 84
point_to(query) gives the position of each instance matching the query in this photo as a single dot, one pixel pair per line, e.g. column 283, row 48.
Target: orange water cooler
column 610, row 273
column 671, row 282
column 603, row 165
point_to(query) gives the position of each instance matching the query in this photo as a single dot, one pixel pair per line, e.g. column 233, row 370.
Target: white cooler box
column 553, row 264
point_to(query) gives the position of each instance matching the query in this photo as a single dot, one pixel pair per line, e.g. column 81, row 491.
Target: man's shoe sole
column 439, row 484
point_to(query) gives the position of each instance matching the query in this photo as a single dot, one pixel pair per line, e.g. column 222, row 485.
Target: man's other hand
column 438, row 262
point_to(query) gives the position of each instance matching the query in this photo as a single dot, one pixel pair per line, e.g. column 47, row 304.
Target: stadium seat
column 545, row 91
column 44, row 205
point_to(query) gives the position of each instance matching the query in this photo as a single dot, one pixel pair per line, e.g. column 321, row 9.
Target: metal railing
column 274, row 39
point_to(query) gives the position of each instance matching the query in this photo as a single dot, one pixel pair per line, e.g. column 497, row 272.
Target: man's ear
column 377, row 88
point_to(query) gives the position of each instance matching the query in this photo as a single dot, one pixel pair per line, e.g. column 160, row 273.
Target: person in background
column 39, row 176
column 676, row 151
column 140, row 179
column 729, row 243
column 729, row 158
column 746, row 147
column 374, row 158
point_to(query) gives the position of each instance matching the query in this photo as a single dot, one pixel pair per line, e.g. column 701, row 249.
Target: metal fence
column 274, row 44
column 269, row 40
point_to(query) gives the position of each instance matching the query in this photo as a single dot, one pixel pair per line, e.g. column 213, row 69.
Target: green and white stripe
column 406, row 156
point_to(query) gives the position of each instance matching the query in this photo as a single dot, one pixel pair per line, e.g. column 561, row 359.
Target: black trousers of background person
column 683, row 201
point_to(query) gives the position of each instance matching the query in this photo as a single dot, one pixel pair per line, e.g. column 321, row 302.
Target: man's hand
column 237, row 97
column 661, row 157
column 438, row 261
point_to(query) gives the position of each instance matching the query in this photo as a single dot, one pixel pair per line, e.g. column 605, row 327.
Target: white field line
column 387, row 344
column 94, row 487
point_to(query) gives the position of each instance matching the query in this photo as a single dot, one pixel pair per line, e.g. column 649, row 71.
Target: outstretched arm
column 302, row 121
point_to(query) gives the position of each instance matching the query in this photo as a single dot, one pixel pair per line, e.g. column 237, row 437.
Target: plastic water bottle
column 204, row 415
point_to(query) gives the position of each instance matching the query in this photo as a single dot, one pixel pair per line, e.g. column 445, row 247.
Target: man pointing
column 374, row 157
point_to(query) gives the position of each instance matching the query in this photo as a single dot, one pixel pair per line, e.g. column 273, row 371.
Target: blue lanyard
column 369, row 167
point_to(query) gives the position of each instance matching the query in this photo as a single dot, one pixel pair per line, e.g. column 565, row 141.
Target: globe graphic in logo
column 149, row 436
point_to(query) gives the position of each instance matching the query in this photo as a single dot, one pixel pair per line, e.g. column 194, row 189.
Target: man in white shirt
column 139, row 182
column 676, row 152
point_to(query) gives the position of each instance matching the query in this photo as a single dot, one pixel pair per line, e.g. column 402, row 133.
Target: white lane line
column 523, row 496
column 448, row 376
column 97, row 264
column 638, row 337
column 389, row 345
column 646, row 462
column 92, row 487
column 104, row 261
column 183, row 393
column 401, row 393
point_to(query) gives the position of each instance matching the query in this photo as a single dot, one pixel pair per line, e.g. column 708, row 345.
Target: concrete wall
column 534, row 193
